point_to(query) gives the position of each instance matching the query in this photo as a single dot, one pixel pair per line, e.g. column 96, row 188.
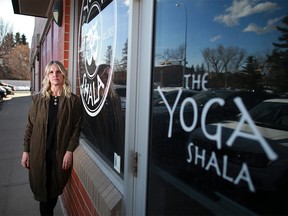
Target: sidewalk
column 16, row 197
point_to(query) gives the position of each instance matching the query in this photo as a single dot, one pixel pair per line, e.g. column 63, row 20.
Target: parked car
column 229, row 110
column 170, row 139
column 9, row 88
column 161, row 111
column 13, row 88
column 168, row 121
column 3, row 93
column 259, row 148
column 162, row 120
column 170, row 97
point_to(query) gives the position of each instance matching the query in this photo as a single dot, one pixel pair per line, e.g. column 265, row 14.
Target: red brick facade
column 75, row 198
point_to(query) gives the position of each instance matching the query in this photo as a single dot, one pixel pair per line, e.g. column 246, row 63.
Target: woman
column 51, row 136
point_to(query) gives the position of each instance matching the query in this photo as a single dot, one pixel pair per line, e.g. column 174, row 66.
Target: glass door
column 218, row 122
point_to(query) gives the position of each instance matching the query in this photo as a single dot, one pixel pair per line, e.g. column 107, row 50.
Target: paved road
column 16, row 197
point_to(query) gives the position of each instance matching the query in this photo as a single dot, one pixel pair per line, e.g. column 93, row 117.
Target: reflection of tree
column 200, row 69
column 284, row 38
column 212, row 60
column 171, row 56
column 231, row 57
column 231, row 67
column 120, row 66
column 278, row 60
column 223, row 59
column 123, row 62
column 253, row 72
column 165, row 55
column 178, row 53
column 108, row 55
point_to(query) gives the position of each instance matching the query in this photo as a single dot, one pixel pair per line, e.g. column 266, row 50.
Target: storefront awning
column 36, row 8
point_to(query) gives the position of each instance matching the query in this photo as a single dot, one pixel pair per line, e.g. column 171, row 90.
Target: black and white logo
column 97, row 32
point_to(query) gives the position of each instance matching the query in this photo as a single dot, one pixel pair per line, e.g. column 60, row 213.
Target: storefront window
column 219, row 108
column 102, row 71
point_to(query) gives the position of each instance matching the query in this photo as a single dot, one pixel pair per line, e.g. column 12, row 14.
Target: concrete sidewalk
column 16, row 197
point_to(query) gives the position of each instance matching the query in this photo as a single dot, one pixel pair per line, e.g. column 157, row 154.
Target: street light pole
column 185, row 42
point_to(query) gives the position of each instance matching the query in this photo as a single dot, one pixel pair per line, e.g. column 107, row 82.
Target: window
column 222, row 149
column 102, row 69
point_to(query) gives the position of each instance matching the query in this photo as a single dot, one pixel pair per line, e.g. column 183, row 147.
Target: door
column 218, row 122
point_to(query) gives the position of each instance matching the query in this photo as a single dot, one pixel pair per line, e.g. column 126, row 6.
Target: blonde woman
column 51, row 136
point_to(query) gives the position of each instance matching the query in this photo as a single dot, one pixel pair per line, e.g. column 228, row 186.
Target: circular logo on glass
column 97, row 38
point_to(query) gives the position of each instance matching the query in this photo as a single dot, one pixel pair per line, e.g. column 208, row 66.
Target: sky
column 20, row 23
column 247, row 24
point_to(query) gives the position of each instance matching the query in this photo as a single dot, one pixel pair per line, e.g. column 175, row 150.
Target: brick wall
column 75, row 198
column 89, row 191
column 66, row 25
column 62, row 38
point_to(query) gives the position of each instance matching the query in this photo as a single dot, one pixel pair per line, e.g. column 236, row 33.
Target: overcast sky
column 20, row 23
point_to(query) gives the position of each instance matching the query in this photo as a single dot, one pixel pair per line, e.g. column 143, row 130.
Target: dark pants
column 47, row 208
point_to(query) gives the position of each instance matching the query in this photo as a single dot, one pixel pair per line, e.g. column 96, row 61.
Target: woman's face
column 56, row 78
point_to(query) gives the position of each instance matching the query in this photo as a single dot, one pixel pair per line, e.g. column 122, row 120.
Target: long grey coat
column 69, row 123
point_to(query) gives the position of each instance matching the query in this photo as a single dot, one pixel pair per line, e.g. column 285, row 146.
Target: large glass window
column 219, row 108
column 102, row 70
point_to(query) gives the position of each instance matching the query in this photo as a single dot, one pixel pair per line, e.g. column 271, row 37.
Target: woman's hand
column 67, row 160
column 25, row 160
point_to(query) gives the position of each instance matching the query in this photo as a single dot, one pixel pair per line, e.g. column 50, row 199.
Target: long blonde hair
column 46, row 85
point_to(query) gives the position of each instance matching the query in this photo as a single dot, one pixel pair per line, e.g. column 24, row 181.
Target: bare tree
column 165, row 56
column 212, row 59
column 223, row 59
column 5, row 48
column 5, row 31
column 261, row 58
column 14, row 53
column 231, row 58
column 178, row 54
column 235, row 63
column 5, row 28
column 172, row 55
column 18, row 62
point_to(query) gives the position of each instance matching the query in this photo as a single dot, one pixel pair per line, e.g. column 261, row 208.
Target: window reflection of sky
column 122, row 31
column 250, row 25
column 108, row 19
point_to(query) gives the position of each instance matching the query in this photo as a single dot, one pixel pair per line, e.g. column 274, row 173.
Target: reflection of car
column 170, row 97
column 161, row 122
column 260, row 146
column 229, row 110
column 216, row 112
column 165, row 119
column 160, row 110
column 121, row 92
